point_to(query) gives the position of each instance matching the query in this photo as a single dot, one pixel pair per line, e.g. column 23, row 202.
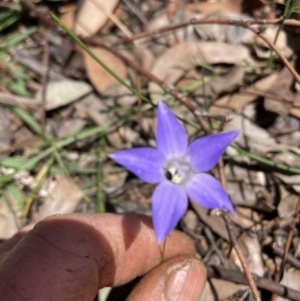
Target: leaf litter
column 227, row 72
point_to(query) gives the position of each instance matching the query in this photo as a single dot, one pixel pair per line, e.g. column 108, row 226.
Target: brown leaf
column 234, row 103
column 215, row 223
column 176, row 61
column 68, row 15
column 283, row 94
column 63, row 197
column 233, row 6
column 99, row 77
column 9, row 223
column 93, row 15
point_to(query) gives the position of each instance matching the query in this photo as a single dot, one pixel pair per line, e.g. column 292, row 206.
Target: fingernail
column 183, row 283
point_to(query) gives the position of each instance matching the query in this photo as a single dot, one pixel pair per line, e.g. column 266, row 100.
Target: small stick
column 241, row 23
column 233, row 240
column 245, row 24
column 263, row 283
column 289, row 257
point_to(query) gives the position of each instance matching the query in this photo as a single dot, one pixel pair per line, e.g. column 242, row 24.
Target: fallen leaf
column 68, row 15
column 63, row 92
column 92, row 15
column 62, row 197
column 282, row 43
column 248, row 188
column 291, row 280
column 287, row 206
column 225, row 289
column 99, row 77
column 283, row 94
column 10, row 212
column 237, row 101
column 215, row 7
column 178, row 60
column 8, row 225
column 250, row 246
column 215, row 223
column 253, row 137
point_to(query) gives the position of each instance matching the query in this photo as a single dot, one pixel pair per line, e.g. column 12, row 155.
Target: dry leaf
column 92, row 15
column 250, row 246
column 215, row 223
column 176, row 61
column 100, row 78
column 68, row 15
column 291, row 280
column 282, row 43
column 248, row 188
column 234, row 103
column 233, row 6
column 283, row 94
column 224, row 289
column 253, row 137
column 221, row 32
column 63, row 197
column 287, row 206
column 61, row 93
column 9, row 224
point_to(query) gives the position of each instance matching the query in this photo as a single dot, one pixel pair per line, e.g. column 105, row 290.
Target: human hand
column 70, row 257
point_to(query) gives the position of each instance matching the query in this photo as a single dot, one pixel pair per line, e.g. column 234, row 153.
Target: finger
column 180, row 278
column 10, row 243
column 72, row 256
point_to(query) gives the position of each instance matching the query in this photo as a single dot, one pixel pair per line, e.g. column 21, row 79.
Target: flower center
column 178, row 170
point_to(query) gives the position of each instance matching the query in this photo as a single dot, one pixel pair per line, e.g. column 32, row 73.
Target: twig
column 279, row 273
column 233, row 240
column 45, row 63
column 263, row 283
column 241, row 23
column 245, row 24
column 289, row 257
column 214, row 246
column 275, row 49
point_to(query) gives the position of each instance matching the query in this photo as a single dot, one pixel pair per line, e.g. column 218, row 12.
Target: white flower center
column 178, row 170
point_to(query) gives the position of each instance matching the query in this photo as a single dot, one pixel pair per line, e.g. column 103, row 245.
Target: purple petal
column 171, row 138
column 145, row 162
column 206, row 191
column 169, row 202
column 205, row 152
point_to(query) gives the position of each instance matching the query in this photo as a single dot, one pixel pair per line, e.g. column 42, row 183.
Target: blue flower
column 179, row 169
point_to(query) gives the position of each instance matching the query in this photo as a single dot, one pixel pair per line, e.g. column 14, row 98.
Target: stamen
column 178, row 170
column 168, row 175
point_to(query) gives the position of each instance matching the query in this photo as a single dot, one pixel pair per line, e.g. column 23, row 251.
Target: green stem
column 100, row 199
column 163, row 250
column 267, row 161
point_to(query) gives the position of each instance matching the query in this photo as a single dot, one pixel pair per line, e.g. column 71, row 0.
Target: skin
column 69, row 257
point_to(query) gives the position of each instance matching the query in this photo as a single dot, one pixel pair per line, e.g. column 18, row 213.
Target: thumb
column 180, row 278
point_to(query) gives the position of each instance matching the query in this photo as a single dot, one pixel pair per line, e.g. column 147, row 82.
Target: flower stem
column 233, row 239
column 235, row 245
column 163, row 250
